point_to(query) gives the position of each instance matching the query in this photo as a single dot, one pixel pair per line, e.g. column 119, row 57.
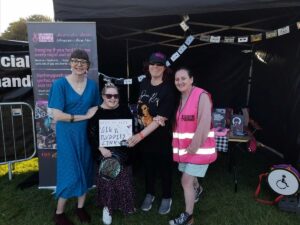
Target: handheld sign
column 112, row 133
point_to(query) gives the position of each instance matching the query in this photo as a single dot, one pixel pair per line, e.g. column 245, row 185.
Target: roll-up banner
column 50, row 46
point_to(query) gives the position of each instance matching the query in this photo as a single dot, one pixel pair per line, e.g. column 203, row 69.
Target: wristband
column 141, row 135
column 72, row 118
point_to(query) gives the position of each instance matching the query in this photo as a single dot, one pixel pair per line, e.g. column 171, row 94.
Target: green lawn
column 219, row 204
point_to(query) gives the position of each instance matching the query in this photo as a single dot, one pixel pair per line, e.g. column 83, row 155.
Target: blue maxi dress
column 74, row 157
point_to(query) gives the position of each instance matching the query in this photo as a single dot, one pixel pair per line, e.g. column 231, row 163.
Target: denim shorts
column 193, row 169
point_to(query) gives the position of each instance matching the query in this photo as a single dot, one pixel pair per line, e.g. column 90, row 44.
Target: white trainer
column 106, row 217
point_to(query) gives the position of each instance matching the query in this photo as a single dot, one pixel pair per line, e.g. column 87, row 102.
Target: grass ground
column 219, row 204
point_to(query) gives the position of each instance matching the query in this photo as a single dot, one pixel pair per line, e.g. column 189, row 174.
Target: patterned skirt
column 118, row 193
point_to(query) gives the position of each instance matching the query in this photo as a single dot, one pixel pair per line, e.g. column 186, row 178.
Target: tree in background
column 18, row 30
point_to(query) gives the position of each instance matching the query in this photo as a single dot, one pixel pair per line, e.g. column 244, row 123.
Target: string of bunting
column 251, row 38
column 206, row 38
column 123, row 81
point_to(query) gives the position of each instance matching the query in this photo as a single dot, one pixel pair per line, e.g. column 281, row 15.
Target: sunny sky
column 12, row 10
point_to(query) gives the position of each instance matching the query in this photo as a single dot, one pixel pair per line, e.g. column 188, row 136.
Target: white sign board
column 112, row 132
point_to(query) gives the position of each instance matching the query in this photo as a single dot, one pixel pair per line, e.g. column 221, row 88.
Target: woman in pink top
column 193, row 141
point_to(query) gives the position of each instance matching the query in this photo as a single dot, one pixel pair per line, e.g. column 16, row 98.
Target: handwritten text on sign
column 112, row 132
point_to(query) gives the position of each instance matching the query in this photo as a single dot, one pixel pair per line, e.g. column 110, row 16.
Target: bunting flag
column 215, row 39
column 205, row 38
column 271, row 34
column 256, row 37
column 243, row 39
column 283, row 30
column 168, row 64
column 142, row 77
column 184, row 26
column 175, row 56
column 127, row 81
column 189, row 40
column 182, row 48
column 229, row 39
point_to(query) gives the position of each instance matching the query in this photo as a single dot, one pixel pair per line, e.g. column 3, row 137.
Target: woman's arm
column 59, row 115
column 166, row 106
column 135, row 139
column 105, row 152
column 204, row 123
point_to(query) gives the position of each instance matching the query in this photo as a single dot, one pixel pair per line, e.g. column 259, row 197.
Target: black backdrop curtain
column 223, row 70
column 275, row 99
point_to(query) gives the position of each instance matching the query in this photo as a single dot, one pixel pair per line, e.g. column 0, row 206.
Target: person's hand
column 133, row 140
column 105, row 152
column 91, row 112
column 192, row 148
column 160, row 120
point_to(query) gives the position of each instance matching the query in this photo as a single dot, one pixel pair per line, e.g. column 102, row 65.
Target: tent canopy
column 91, row 9
column 128, row 31
column 147, row 23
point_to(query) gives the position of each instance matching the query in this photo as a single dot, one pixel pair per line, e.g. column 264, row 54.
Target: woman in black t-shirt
column 155, row 108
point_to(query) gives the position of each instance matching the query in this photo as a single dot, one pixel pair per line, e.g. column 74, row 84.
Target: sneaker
column 183, row 219
column 147, row 203
column 198, row 192
column 106, row 217
column 165, row 206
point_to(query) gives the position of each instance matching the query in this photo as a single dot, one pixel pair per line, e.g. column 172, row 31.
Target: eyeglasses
column 156, row 64
column 78, row 61
column 109, row 96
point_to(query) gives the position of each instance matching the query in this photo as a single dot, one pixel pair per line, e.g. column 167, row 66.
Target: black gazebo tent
column 129, row 30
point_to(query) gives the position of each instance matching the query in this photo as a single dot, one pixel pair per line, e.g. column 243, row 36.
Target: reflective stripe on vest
column 178, row 135
column 200, row 151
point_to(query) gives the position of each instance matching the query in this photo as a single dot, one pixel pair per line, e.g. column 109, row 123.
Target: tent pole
column 127, row 69
column 250, row 78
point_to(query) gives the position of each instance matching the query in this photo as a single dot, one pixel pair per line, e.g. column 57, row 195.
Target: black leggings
column 158, row 165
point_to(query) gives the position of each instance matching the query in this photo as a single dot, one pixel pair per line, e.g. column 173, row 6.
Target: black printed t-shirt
column 153, row 101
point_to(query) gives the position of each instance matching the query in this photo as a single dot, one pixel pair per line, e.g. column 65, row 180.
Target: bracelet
column 72, row 118
column 141, row 135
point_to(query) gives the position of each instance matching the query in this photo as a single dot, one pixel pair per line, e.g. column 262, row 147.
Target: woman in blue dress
column 73, row 100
